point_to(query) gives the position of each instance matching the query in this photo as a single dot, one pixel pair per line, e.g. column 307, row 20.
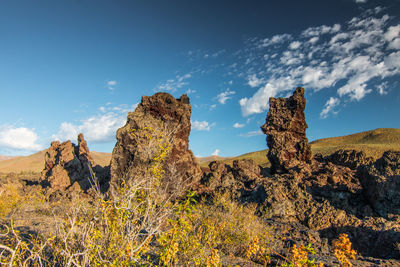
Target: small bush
column 343, row 251
column 299, row 257
column 200, row 234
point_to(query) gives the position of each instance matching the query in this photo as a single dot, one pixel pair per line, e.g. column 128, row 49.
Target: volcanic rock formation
column 155, row 140
column 67, row 165
column 381, row 183
column 285, row 128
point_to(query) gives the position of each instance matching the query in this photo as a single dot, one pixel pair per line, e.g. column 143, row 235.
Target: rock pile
column 313, row 201
column 156, row 139
column 285, row 127
column 68, row 167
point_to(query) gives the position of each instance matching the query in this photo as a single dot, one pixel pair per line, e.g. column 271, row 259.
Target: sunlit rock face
column 285, row 128
column 155, row 141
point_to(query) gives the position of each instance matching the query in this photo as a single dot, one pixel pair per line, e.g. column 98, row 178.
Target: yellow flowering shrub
column 343, row 251
column 298, row 257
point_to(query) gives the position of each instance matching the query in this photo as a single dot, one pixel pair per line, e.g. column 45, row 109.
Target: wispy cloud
column 252, row 133
column 190, row 91
column 224, row 96
column 111, row 85
column 361, row 1
column 329, row 106
column 172, row 85
column 96, row 129
column 100, row 128
column 202, row 125
column 238, row 125
column 216, row 152
column 351, row 57
column 254, row 81
column 21, row 138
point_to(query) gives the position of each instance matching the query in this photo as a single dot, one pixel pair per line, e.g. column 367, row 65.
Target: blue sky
column 79, row 66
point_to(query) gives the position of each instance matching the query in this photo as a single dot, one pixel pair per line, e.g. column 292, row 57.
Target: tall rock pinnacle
column 285, row 127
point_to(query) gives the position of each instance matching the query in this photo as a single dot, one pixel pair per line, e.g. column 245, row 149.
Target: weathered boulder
column 381, row 183
column 285, row 128
column 66, row 165
column 154, row 143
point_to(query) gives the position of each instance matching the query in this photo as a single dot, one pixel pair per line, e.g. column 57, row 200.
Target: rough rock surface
column 313, row 201
column 312, row 209
column 349, row 158
column 156, row 133
column 285, row 128
column 67, row 167
column 240, row 180
column 381, row 183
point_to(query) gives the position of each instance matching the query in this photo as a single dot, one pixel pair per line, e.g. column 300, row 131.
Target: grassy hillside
column 5, row 157
column 373, row 143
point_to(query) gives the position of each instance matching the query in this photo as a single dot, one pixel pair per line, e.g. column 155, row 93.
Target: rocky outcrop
column 349, row 158
column 239, row 180
column 285, row 128
column 68, row 167
column 155, row 140
column 381, row 184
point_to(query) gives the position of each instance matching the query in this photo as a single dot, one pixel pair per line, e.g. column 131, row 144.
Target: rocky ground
column 305, row 199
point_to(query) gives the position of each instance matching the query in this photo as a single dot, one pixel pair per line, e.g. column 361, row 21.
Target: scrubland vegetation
column 141, row 224
column 137, row 227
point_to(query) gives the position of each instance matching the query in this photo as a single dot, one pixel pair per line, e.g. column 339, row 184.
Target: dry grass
column 35, row 162
column 373, row 143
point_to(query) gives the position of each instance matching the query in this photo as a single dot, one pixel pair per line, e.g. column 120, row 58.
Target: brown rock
column 156, row 137
column 381, row 183
column 285, row 128
column 349, row 158
column 67, row 164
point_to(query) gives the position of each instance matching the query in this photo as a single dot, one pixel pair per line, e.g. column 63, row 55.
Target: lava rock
column 155, row 139
column 285, row 128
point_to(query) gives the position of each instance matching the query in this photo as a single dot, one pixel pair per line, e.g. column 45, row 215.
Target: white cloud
column 294, row 45
column 313, row 40
column 238, row 125
column 97, row 129
column 216, row 152
column 18, row 138
column 276, row 39
column 361, row 1
column 395, row 44
column 253, row 81
column 190, row 91
column 224, row 96
column 349, row 57
column 317, row 31
column 392, row 33
column 382, row 88
column 329, row 106
column 252, row 133
column 202, row 125
column 172, row 85
column 111, row 85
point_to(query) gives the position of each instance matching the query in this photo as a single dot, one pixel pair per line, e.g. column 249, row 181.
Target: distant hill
column 5, row 157
column 35, row 162
column 210, row 158
column 373, row 143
